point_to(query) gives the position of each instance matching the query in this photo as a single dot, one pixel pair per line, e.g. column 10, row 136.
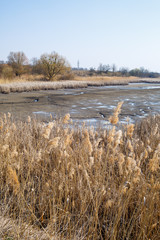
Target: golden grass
column 79, row 183
column 32, row 78
column 37, row 86
column 37, row 83
column 105, row 78
column 23, row 78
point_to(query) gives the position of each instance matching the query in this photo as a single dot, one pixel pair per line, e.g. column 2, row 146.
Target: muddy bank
column 91, row 104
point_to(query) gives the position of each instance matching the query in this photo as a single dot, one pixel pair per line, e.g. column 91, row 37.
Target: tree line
column 49, row 65
column 53, row 65
column 112, row 70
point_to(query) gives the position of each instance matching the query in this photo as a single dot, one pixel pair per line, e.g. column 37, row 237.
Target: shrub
column 67, row 76
column 7, row 72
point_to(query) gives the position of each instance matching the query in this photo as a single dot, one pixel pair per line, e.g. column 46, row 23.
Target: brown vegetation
column 23, row 86
column 80, row 183
column 53, row 65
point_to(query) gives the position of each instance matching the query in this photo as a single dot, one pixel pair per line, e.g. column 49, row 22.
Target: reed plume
column 79, row 182
column 114, row 119
column 12, row 179
column 66, row 118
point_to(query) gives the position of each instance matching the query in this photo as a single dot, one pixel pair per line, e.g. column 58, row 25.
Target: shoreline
column 98, row 103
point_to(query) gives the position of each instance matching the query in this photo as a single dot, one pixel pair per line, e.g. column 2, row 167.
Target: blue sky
column 123, row 32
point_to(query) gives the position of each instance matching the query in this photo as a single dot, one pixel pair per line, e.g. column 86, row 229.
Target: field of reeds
column 22, row 78
column 60, row 181
column 84, row 83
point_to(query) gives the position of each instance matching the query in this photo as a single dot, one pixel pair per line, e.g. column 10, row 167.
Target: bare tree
column 17, row 60
column 53, row 64
column 103, row 68
column 124, row 71
column 113, row 67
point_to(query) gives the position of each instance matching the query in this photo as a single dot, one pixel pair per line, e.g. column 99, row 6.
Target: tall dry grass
column 37, row 85
column 22, row 78
column 79, row 183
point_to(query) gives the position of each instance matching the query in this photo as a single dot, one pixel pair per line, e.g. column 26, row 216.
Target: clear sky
column 123, row 32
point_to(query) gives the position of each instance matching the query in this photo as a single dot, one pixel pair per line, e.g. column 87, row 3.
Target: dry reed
column 79, row 183
column 26, row 86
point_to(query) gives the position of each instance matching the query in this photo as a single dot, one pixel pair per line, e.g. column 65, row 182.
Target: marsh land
column 63, row 182
column 92, row 104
